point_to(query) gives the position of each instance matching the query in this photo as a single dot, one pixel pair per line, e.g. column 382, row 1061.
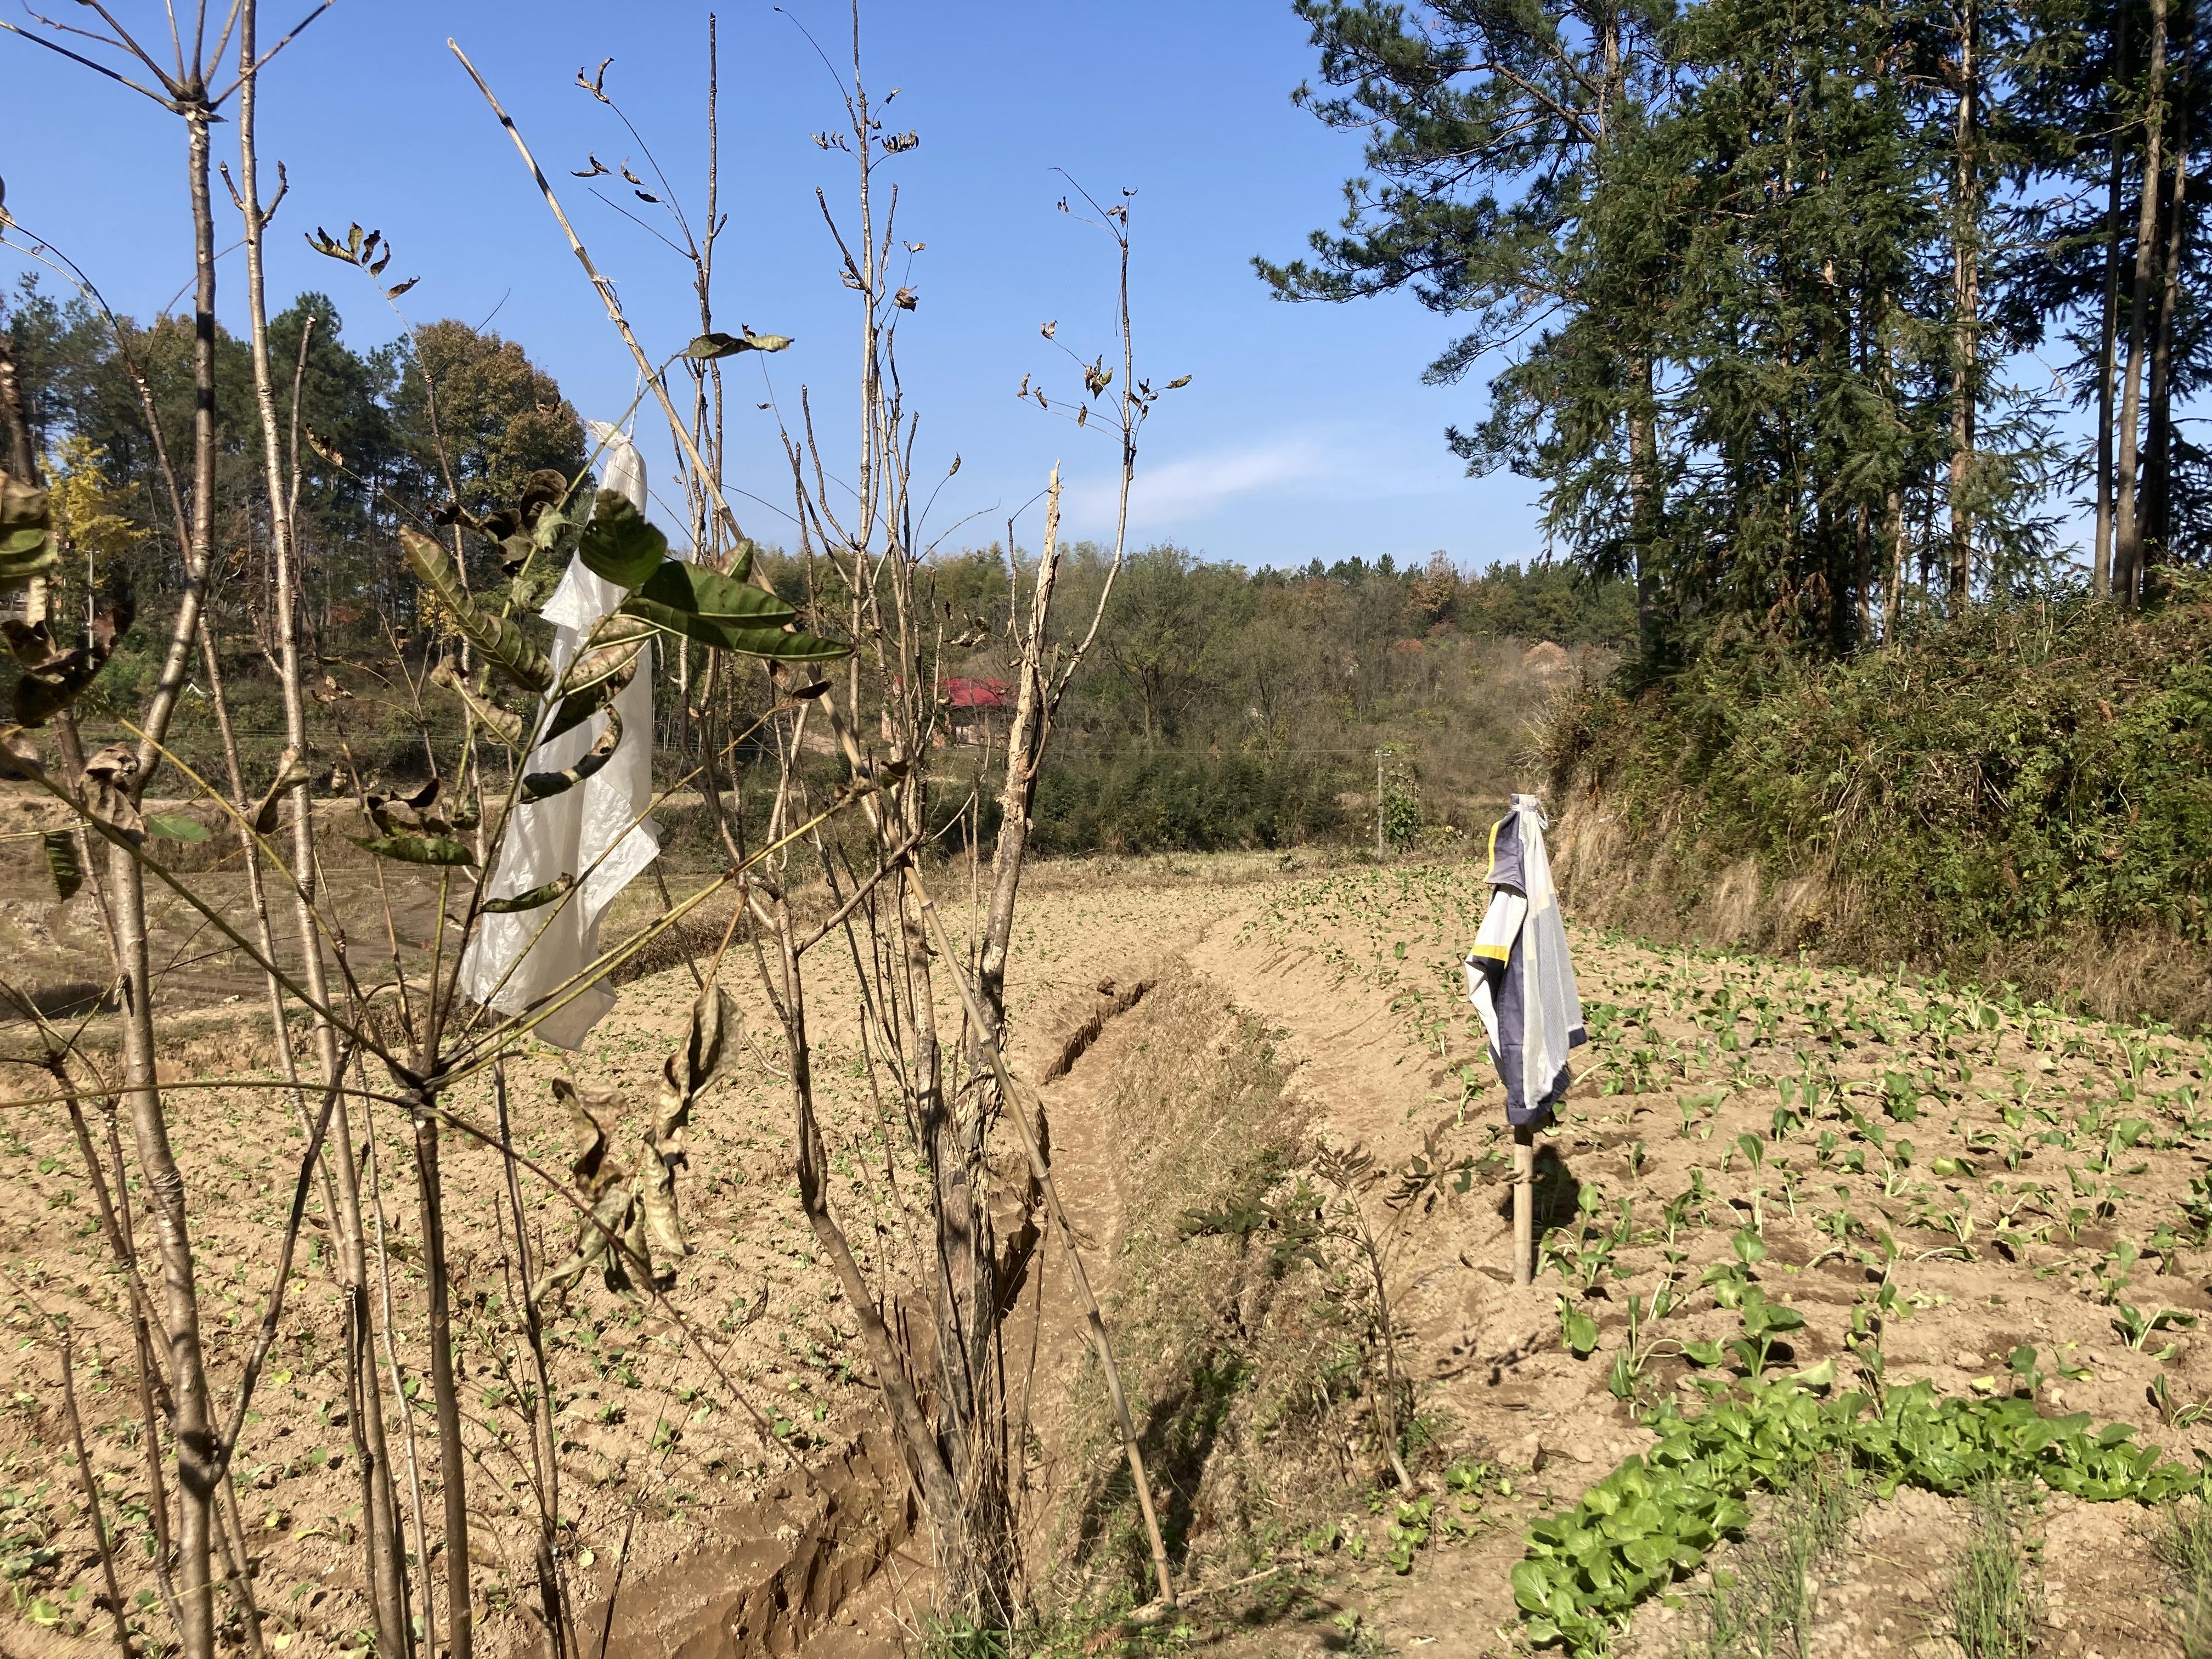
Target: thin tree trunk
column 1025, row 740
column 1642, row 491
column 1966, row 340
column 940, row 1491
column 195, row 1450
column 385, row 1551
column 1892, row 500
column 165, row 1190
column 2108, row 337
column 452, row 1464
column 1892, row 514
column 185, row 631
column 2127, row 530
column 2158, row 462
column 545, row 1442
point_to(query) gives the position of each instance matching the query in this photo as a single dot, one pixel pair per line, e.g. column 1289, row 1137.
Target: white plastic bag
column 596, row 827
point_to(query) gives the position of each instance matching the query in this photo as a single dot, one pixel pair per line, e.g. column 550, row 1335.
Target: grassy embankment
column 2023, row 796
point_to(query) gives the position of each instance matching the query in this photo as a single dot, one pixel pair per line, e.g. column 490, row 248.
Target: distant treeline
column 1223, row 707
column 1220, row 707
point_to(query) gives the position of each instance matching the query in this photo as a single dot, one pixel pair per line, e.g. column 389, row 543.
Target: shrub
column 1134, row 802
column 2017, row 774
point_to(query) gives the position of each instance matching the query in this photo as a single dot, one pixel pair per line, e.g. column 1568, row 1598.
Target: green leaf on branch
column 729, row 615
column 706, row 592
column 52, row 677
column 501, row 723
column 498, row 637
column 416, row 849
column 291, row 772
column 598, row 677
column 175, row 827
column 26, row 547
column 709, row 346
column 771, row 642
column 619, row 544
column 542, row 786
column 536, row 899
column 62, row 862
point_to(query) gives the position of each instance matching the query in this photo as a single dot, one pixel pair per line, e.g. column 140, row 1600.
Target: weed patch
column 2009, row 795
column 2184, row 1548
column 1763, row 1595
column 1991, row 1596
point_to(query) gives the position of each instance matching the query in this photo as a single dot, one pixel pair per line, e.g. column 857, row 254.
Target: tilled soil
column 2042, row 1149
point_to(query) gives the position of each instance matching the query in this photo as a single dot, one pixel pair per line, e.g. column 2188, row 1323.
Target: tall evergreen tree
column 1751, row 332
column 1486, row 123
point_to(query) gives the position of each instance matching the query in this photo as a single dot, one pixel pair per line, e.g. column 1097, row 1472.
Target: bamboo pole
column 1525, row 1204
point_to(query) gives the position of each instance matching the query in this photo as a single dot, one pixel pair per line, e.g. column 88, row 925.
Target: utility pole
column 1379, row 754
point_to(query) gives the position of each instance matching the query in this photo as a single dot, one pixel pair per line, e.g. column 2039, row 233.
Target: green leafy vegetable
column 1656, row 1516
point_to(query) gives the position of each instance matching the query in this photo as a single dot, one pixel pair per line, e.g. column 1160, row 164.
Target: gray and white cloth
column 596, row 831
column 1519, row 975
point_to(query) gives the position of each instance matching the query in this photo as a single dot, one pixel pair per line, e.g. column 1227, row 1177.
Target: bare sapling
column 113, row 782
column 415, row 1024
column 384, row 1547
column 942, row 1093
column 819, row 773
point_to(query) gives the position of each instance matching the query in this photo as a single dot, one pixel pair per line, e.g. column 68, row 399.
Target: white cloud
column 1316, row 465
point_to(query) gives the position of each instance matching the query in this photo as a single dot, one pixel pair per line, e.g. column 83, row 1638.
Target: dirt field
column 1198, row 1027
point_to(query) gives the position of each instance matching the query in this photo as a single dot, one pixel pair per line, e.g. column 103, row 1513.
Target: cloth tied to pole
column 596, row 831
column 1519, row 975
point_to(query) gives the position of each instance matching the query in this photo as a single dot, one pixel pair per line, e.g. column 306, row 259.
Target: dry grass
column 1758, row 1604
column 1232, row 1362
column 2183, row 1545
column 1991, row 1599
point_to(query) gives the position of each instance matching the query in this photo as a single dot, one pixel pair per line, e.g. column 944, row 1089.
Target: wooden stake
column 1525, row 1204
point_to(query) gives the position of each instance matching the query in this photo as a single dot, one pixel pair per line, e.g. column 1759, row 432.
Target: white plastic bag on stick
column 598, row 826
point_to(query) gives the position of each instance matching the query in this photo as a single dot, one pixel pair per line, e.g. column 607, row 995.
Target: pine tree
column 1748, row 284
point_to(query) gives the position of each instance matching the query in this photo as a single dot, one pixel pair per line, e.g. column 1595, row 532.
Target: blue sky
column 1305, row 431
